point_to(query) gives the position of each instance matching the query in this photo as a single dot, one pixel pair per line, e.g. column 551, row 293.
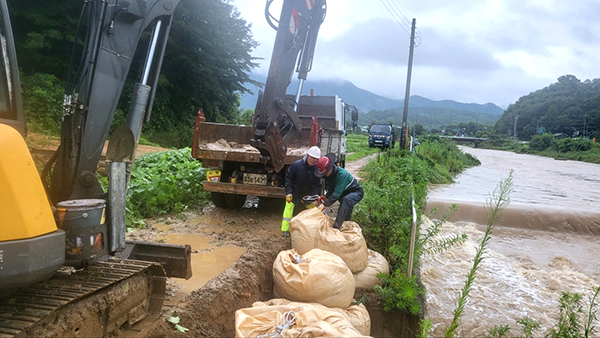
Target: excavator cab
column 73, row 221
column 32, row 248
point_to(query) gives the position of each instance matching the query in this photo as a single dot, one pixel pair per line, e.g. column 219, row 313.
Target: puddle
column 207, row 261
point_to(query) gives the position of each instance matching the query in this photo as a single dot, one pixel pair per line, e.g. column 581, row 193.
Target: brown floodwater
column 208, row 259
column 544, row 243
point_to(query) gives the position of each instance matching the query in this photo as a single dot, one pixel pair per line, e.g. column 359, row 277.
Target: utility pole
column 404, row 135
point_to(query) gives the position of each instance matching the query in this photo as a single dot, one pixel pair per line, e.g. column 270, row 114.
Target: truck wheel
column 234, row 201
column 218, row 199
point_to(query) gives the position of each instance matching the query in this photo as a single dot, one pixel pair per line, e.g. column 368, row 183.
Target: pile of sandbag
column 315, row 283
column 281, row 318
column 312, row 229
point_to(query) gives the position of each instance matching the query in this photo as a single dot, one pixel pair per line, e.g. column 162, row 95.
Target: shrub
column 164, row 182
column 574, row 144
column 543, row 142
column 43, row 102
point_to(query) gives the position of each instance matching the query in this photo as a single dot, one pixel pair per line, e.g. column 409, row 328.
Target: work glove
column 288, row 198
column 321, row 200
column 286, row 234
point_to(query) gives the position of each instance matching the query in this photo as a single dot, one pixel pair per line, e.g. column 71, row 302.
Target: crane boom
column 275, row 117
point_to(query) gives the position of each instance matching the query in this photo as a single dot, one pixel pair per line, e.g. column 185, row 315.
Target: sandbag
column 357, row 315
column 367, row 278
column 312, row 229
column 292, row 320
column 317, row 276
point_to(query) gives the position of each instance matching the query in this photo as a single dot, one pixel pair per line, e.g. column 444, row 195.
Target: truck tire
column 233, row 201
column 218, row 199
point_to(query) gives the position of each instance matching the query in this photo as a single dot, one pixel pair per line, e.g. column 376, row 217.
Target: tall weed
column 386, row 211
column 432, row 245
column 164, row 182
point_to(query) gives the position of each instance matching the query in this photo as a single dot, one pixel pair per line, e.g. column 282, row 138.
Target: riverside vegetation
column 546, row 144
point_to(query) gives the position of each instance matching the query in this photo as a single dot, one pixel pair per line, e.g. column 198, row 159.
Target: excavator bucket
column 175, row 259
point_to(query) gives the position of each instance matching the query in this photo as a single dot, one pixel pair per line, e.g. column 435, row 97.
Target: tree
column 207, row 61
column 44, row 33
column 206, row 64
column 566, row 106
column 419, row 130
column 543, row 142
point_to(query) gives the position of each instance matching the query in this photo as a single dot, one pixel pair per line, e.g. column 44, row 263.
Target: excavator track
column 97, row 301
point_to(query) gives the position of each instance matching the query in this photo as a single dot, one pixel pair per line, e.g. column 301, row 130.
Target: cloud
column 470, row 51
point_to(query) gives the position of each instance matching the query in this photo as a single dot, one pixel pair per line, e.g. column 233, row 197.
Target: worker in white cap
column 300, row 181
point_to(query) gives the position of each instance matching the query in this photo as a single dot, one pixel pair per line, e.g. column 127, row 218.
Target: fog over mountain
column 364, row 100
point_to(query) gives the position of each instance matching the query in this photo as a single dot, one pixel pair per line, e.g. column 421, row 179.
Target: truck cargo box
column 237, row 169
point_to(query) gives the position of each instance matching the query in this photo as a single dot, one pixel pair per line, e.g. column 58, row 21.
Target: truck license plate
column 256, row 179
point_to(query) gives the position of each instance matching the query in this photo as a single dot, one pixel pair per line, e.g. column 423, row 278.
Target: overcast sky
column 472, row 51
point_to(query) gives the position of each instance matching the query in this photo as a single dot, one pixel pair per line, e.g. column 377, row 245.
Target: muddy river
column 544, row 244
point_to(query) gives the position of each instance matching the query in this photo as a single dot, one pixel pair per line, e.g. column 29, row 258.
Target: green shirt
column 336, row 184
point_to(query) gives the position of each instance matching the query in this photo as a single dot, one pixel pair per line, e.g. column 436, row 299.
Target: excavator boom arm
column 114, row 29
column 275, row 116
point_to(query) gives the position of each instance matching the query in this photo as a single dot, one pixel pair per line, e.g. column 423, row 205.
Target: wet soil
column 207, row 306
column 232, row 256
column 208, row 310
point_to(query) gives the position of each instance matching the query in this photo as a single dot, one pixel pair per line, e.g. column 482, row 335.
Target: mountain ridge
column 366, row 101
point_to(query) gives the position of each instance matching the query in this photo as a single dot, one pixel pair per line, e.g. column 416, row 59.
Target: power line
column 400, row 15
column 406, row 16
column 401, row 9
column 394, row 15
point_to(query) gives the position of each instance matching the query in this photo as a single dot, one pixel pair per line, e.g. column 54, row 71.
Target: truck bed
column 227, row 142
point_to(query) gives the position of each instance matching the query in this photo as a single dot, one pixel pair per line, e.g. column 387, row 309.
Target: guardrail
column 413, row 229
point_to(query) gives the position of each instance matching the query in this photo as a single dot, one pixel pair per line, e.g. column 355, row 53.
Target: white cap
column 314, row 151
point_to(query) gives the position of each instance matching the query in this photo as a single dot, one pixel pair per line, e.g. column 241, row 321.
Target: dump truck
column 253, row 160
column 236, row 169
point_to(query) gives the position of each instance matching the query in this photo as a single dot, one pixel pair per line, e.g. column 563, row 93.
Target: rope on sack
column 288, row 320
column 297, row 258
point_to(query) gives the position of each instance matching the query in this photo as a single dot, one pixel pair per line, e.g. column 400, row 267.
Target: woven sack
column 367, row 278
column 312, row 229
column 357, row 315
column 317, row 276
column 292, row 320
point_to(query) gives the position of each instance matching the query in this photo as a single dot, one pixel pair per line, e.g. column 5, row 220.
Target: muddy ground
column 209, row 310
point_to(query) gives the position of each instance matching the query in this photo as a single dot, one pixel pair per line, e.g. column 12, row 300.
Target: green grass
column 357, row 147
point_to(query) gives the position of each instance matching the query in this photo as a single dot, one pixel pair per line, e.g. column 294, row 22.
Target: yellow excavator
column 73, row 221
